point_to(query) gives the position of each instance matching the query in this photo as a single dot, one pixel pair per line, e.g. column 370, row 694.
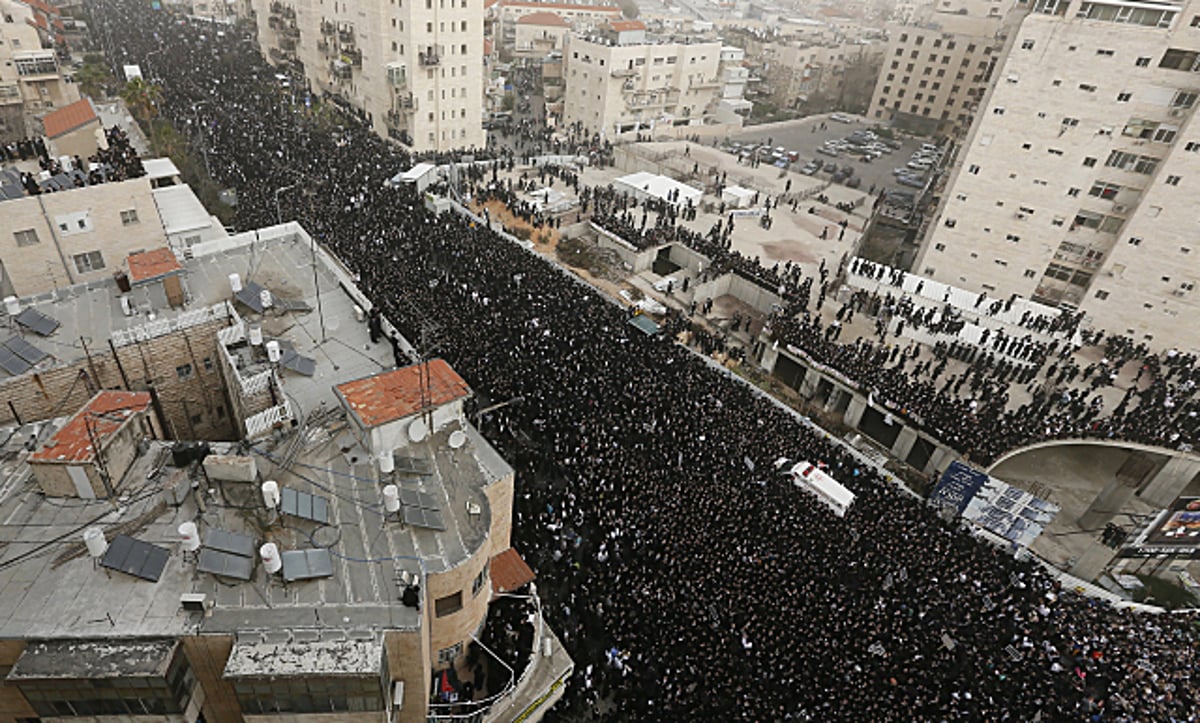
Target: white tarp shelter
column 420, row 175
column 828, row 490
column 737, row 197
column 651, row 185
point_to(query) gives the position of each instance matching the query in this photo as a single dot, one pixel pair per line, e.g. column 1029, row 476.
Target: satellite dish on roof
column 417, row 430
column 457, row 439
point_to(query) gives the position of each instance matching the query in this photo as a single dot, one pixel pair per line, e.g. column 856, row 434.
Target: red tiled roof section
column 548, row 19
column 611, row 9
column 69, row 118
column 150, row 264
column 397, row 394
column 105, row 412
column 622, row 26
column 510, row 572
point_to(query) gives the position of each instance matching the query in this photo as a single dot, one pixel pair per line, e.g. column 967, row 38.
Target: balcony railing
column 428, row 59
column 624, row 73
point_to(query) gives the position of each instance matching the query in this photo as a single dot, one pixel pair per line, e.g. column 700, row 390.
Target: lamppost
column 203, row 139
column 281, row 189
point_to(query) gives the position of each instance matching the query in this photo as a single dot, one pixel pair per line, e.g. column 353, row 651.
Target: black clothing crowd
column 686, row 579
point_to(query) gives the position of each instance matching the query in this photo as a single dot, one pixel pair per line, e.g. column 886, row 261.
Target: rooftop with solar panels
column 315, row 530
column 363, row 481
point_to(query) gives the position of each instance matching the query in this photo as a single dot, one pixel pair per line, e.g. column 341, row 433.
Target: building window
column 1191, row 146
column 129, row 217
column 446, row 656
column 1178, row 59
column 1087, row 87
column 208, row 364
column 1089, row 162
column 448, row 605
column 1174, row 180
column 951, row 223
column 1101, row 294
column 1030, row 274
column 973, row 169
column 939, row 247
column 480, row 579
column 184, row 371
column 309, row 694
column 1072, row 192
column 1069, row 122
column 1027, row 45
column 28, row 237
column 90, row 261
column 1104, row 52
column 1124, row 97
column 1107, row 191
column 1135, row 241
column 1012, row 237
column 1143, row 62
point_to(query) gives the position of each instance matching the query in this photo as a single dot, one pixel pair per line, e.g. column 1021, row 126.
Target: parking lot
column 805, row 135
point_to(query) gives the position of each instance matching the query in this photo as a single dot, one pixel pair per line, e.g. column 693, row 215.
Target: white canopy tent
column 663, row 188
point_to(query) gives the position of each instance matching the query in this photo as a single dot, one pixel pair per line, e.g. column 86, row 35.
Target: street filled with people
column 685, row 576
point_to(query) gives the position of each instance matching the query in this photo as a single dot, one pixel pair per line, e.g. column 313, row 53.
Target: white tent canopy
column 650, row 185
column 737, row 197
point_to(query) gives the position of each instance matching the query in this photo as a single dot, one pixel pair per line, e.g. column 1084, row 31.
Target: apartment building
column 1077, row 184
column 509, row 14
column 795, row 71
column 224, row 600
column 621, row 79
column 936, row 69
column 31, row 81
column 413, row 67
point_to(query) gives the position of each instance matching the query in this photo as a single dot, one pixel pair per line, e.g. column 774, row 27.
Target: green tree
column 629, row 8
column 142, row 99
column 94, row 78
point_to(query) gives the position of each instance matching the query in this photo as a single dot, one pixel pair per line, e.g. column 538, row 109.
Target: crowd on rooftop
column 686, row 578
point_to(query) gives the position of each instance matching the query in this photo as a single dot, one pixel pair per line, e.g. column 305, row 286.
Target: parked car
column 841, row 118
column 911, row 181
column 830, row 168
column 810, row 168
column 840, row 176
column 826, row 150
column 853, row 182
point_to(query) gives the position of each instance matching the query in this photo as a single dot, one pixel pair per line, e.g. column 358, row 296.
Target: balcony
column 328, row 28
column 282, row 10
column 624, row 73
column 710, row 83
column 352, row 56
column 341, row 70
column 10, row 93
column 290, row 31
column 287, row 44
column 346, row 36
column 397, row 75
column 428, row 59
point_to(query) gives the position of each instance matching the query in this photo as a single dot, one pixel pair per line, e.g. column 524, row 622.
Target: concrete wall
column 12, row 704
column 457, row 627
column 207, row 655
column 62, row 389
column 408, row 659
column 852, row 404
column 49, row 264
column 639, row 261
column 79, row 142
column 119, row 451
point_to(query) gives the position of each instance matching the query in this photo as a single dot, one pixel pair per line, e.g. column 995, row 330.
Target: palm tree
column 142, row 99
column 94, row 79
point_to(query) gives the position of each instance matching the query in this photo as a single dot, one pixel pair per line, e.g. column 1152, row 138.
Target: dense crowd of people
column 687, row 580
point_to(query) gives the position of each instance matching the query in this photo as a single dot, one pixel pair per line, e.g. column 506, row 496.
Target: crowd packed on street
column 687, row 580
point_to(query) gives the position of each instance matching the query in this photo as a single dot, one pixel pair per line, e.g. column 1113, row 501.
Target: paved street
column 805, row 134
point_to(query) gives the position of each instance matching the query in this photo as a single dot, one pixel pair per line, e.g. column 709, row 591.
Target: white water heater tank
column 387, row 462
column 255, row 335
column 270, row 557
column 273, row 352
column 93, row 537
column 391, row 498
column 190, row 536
column 235, row 283
column 270, row 493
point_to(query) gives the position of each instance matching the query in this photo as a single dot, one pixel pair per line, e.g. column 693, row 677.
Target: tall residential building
column 31, row 82
column 347, row 560
column 1077, row 185
column 936, row 69
column 414, row 67
column 621, row 79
